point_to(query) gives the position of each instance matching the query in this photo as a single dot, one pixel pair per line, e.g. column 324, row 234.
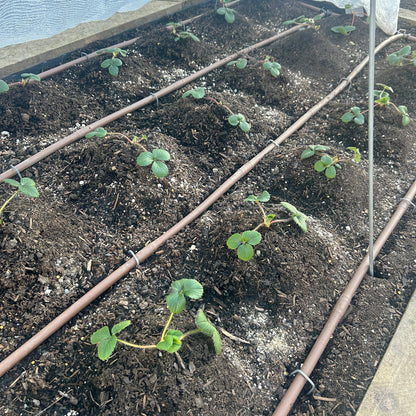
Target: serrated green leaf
column 244, row 126
column 28, row 187
column 113, row 70
column 160, row 154
column 289, row 207
column 119, row 327
column 106, row 63
column 202, row 322
column 98, row 132
column 347, row 117
column 234, row 119
column 229, row 16
column 159, row 169
column 264, row 197
column 300, row 220
column 234, row 241
column 319, row 166
column 171, row 343
column 12, row 182
column 106, row 347
column 331, row 172
column 359, row 119
column 245, row 252
column 192, row 288
column 405, row 121
column 3, row 86
column 196, row 93
column 100, row 335
column 176, row 302
column 217, row 342
column 251, row 237
column 145, row 159
column 307, row 153
column 326, row 160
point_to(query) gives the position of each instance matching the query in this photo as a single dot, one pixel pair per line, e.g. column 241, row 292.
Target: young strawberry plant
column 26, row 186
column 327, row 163
column 245, row 241
column 309, row 21
column 273, row 67
column 26, row 77
column 171, row 339
column 181, row 34
column 343, row 30
column 382, row 99
column 156, row 157
column 229, row 14
column 112, row 63
column 234, row 119
column 404, row 56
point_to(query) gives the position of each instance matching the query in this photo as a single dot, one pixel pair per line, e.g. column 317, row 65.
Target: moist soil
column 96, row 204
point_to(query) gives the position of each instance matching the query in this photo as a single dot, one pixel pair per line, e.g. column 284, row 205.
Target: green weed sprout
column 273, row 67
column 183, row 34
column 171, row 339
column 112, row 63
column 402, row 57
column 327, row 163
column 354, row 114
column 240, row 63
column 156, row 157
column 225, row 11
column 234, row 119
column 3, row 86
column 26, row 186
column 343, row 30
column 26, row 77
column 245, row 241
column 310, row 22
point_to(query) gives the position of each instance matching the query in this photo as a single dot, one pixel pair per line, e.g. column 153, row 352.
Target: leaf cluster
column 240, row 121
column 343, row 30
column 402, row 56
column 156, row 158
column 309, row 21
column 273, row 67
column 112, row 64
column 229, row 14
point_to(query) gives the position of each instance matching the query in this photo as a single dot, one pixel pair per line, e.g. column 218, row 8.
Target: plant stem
column 127, row 138
column 5, row 204
column 135, row 345
column 166, row 327
column 220, row 104
column 273, row 222
column 262, row 210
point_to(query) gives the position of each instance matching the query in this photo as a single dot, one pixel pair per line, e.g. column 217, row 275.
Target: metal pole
column 371, row 54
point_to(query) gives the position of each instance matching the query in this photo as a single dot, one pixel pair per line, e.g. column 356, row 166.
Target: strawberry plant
column 3, row 86
column 402, row 57
column 229, row 14
column 182, row 34
column 171, row 339
column 234, row 119
column 112, row 63
column 310, row 22
column 26, row 186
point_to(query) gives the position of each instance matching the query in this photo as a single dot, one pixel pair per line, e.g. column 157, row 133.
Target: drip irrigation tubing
column 137, row 105
column 25, row 349
column 340, row 308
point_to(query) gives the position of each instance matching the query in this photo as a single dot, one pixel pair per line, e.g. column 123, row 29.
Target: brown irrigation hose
column 137, row 105
column 143, row 254
column 339, row 309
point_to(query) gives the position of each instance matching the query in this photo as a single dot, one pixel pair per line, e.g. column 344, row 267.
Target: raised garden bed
column 96, row 204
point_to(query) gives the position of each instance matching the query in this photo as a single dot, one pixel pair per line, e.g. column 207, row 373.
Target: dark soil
column 96, row 204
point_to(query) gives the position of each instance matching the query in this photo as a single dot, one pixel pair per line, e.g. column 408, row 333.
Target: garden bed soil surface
column 96, row 204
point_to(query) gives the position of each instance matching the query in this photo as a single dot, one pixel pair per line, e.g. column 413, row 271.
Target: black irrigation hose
column 21, row 352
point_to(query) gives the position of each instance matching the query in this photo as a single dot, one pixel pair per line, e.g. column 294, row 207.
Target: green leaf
column 319, row 166
column 98, row 132
column 3, row 86
column 234, row 119
column 403, row 110
column 359, row 119
column 160, row 154
column 106, row 63
column 244, row 126
column 347, row 117
column 12, row 182
column 171, row 343
column 264, row 197
column 159, row 169
column 27, row 75
column 113, row 70
column 344, row 30
column 307, row 153
column 106, row 347
column 357, row 154
column 28, row 187
column 196, row 93
column 208, row 329
column 100, row 335
column 229, row 16
column 176, row 302
column 405, row 121
column 145, row 159
column 192, row 288
column 251, row 237
column 184, row 35
column 330, row 172
column 300, row 220
column 289, row 207
column 119, row 327
column 326, row 160
column 234, row 241
column 245, row 252
column 180, row 288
